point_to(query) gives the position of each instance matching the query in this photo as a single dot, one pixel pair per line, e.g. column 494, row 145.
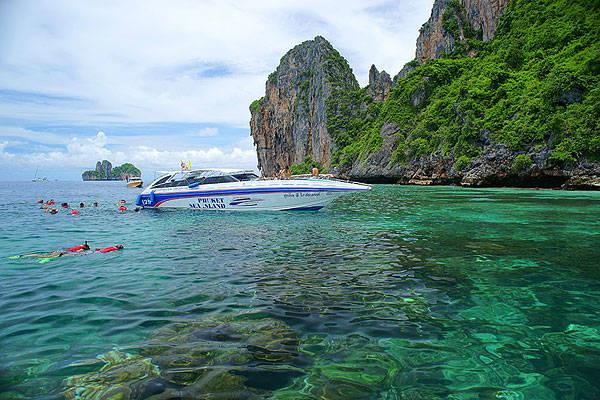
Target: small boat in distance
column 135, row 182
column 243, row 190
column 37, row 178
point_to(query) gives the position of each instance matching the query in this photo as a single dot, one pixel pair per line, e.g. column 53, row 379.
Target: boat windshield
column 196, row 179
column 246, row 177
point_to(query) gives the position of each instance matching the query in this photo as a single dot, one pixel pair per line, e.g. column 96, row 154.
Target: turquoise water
column 402, row 293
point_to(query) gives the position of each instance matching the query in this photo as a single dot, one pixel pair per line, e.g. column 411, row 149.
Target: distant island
column 105, row 172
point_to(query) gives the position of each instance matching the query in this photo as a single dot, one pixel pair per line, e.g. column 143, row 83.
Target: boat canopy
column 203, row 176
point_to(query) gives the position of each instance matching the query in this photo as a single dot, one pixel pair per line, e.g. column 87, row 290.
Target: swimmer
column 111, row 248
column 81, row 205
column 65, row 205
column 95, row 204
column 78, row 249
column 52, row 254
column 40, row 201
column 75, row 212
column 53, row 211
column 50, row 202
column 47, row 257
column 122, row 209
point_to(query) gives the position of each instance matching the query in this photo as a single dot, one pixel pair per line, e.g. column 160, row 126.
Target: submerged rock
column 351, row 367
column 234, row 357
column 115, row 380
column 578, row 345
column 188, row 351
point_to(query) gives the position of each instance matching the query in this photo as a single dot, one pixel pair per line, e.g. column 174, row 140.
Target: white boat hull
column 301, row 195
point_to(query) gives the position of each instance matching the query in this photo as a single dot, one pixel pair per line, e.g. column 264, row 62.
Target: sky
column 156, row 82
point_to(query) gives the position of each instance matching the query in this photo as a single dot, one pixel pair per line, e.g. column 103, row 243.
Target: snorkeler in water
column 82, row 248
column 52, row 254
column 78, row 249
column 111, row 248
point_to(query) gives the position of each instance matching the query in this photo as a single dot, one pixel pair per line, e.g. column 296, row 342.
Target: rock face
column 494, row 167
column 455, row 20
column 290, row 123
column 104, row 168
column 380, row 84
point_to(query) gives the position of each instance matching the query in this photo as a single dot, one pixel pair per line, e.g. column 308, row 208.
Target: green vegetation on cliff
column 126, row 169
column 534, row 85
column 306, row 167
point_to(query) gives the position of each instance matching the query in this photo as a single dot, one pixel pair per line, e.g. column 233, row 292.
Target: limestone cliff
column 380, row 84
column 521, row 110
column 453, row 21
column 290, row 122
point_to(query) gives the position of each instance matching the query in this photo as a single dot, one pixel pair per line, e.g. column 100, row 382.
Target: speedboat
column 224, row 189
column 135, row 182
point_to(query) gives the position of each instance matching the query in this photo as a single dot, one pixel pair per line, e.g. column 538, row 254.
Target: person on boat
column 78, row 249
column 315, row 172
column 109, row 249
column 81, row 205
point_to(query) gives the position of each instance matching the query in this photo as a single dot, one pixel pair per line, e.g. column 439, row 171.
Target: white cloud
column 46, row 137
column 206, row 132
column 82, row 153
column 147, row 60
column 103, row 62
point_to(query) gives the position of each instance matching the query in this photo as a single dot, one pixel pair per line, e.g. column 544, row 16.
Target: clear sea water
column 403, row 293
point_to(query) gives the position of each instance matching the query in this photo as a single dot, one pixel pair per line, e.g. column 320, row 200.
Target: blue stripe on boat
column 310, row 208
